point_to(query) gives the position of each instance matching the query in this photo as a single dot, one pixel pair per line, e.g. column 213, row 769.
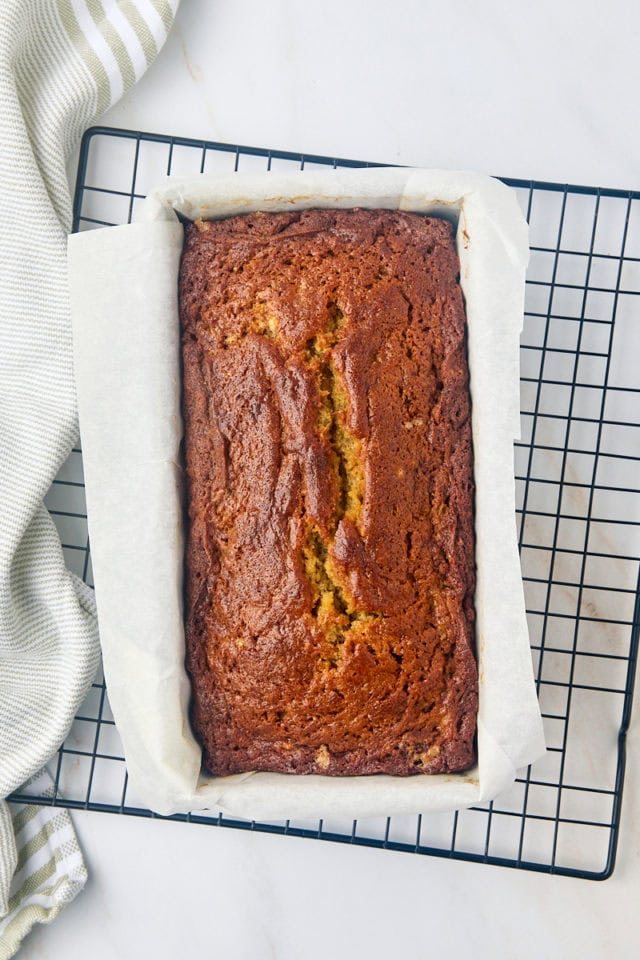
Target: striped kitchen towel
column 41, row 866
column 62, row 62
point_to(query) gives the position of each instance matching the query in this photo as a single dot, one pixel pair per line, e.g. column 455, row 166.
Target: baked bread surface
column 330, row 558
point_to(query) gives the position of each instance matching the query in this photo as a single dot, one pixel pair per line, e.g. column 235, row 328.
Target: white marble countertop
column 545, row 91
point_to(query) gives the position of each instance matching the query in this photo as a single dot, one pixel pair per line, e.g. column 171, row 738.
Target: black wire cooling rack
column 578, row 516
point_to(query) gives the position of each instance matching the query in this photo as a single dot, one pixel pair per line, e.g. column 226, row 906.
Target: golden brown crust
column 330, row 560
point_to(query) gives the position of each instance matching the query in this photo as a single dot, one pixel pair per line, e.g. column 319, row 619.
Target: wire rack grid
column 578, row 518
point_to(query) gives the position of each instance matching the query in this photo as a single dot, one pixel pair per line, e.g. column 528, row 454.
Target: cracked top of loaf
column 330, row 559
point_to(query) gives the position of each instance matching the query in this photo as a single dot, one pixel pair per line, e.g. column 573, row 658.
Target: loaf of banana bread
column 329, row 566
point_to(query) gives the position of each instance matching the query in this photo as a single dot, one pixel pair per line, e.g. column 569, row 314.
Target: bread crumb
column 422, row 759
column 323, row 757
